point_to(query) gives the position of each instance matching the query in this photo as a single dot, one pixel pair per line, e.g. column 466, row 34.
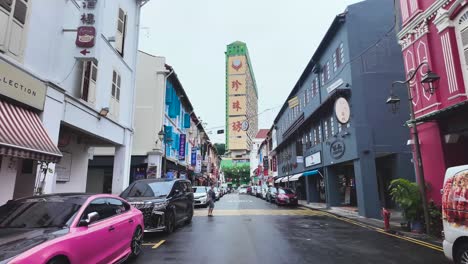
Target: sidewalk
column 351, row 214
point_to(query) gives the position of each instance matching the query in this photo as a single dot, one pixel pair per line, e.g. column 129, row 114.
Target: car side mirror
column 91, row 218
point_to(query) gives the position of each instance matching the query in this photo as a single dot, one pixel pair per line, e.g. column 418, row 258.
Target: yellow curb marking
column 380, row 230
column 158, row 244
column 254, row 212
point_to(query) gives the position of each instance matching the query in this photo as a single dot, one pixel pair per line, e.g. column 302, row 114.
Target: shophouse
column 337, row 141
column 68, row 73
column 434, row 37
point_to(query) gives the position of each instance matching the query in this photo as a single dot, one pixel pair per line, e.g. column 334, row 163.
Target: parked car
column 271, row 194
column 217, row 192
column 243, row 190
column 286, row 196
column 454, row 207
column 165, row 203
column 200, row 195
column 69, row 228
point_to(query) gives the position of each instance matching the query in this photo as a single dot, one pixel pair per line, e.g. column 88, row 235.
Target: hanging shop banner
column 193, row 157
column 198, row 166
column 182, row 143
column 86, row 32
column 275, row 164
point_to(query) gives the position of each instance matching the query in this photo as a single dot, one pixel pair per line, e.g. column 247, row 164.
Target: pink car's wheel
column 137, row 240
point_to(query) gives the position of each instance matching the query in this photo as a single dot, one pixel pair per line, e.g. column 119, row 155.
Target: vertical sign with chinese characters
column 86, row 32
column 198, row 166
column 182, row 144
column 193, row 158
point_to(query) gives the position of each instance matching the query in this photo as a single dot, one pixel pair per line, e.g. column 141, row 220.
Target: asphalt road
column 246, row 229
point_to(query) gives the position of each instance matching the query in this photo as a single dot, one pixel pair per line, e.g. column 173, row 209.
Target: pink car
column 69, row 228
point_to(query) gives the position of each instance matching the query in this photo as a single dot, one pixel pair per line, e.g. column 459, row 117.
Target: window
column 315, row 86
column 121, row 31
column 325, row 125
column 306, row 96
column 100, row 206
column 88, row 81
column 13, row 16
column 335, row 62
column 299, row 150
column 462, row 39
column 332, row 125
column 327, row 77
column 317, row 135
column 117, row 206
column 340, row 55
column 115, row 94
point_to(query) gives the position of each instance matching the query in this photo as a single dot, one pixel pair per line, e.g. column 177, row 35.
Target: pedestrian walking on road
column 212, row 199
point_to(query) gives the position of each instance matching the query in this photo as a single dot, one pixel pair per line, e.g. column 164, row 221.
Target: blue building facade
column 337, row 141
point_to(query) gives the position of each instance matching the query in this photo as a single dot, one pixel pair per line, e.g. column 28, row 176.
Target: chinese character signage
column 193, row 157
column 198, row 166
column 237, row 84
column 86, row 33
column 237, row 105
column 182, row 143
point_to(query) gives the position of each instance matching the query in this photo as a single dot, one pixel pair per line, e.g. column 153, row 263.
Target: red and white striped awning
column 23, row 136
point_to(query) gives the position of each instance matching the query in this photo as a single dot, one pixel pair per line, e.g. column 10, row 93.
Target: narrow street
column 246, row 229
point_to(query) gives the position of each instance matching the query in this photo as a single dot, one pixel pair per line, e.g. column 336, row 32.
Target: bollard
column 386, row 217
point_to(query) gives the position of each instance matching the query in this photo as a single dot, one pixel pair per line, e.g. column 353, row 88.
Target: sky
column 281, row 37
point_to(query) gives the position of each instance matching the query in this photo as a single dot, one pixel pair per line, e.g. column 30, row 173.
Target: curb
column 394, row 233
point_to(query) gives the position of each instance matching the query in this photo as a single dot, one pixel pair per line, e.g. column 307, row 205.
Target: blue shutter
column 169, row 92
column 187, row 121
column 168, row 132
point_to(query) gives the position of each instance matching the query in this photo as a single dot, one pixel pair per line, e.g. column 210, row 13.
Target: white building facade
column 83, row 55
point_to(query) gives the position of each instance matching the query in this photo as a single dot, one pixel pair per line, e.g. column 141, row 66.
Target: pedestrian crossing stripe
column 253, row 212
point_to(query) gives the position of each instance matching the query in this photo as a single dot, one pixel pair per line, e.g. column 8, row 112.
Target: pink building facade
column 436, row 32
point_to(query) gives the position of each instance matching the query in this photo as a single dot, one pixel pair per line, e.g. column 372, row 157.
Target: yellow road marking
column 380, row 230
column 158, row 244
column 253, row 212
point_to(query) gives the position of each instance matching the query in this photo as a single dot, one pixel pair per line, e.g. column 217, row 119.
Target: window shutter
column 187, row 121
column 120, row 35
column 92, row 84
column 5, row 10
column 464, row 39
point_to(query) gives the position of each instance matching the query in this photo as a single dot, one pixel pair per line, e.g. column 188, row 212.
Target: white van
column 455, row 214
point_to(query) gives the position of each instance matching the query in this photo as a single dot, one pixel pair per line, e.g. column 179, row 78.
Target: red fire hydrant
column 386, row 218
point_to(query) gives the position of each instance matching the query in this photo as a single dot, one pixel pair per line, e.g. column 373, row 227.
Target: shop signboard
column 337, row 149
column 193, row 157
column 198, row 166
column 182, row 144
column 300, row 159
column 86, row 33
column 21, row 86
column 63, row 168
column 313, row 159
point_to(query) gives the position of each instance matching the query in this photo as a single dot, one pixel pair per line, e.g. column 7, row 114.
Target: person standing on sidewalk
column 212, row 197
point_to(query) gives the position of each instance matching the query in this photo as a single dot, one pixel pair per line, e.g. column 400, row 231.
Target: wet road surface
column 246, row 229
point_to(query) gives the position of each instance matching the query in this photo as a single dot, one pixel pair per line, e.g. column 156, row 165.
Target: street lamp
column 430, row 79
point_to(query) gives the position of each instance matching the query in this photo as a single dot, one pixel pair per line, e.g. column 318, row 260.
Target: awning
column 278, row 180
column 23, row 136
column 295, row 177
column 310, row 173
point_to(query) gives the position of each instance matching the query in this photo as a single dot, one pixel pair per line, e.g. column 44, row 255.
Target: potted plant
column 406, row 194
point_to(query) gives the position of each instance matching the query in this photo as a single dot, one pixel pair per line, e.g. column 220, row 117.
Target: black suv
column 165, row 203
